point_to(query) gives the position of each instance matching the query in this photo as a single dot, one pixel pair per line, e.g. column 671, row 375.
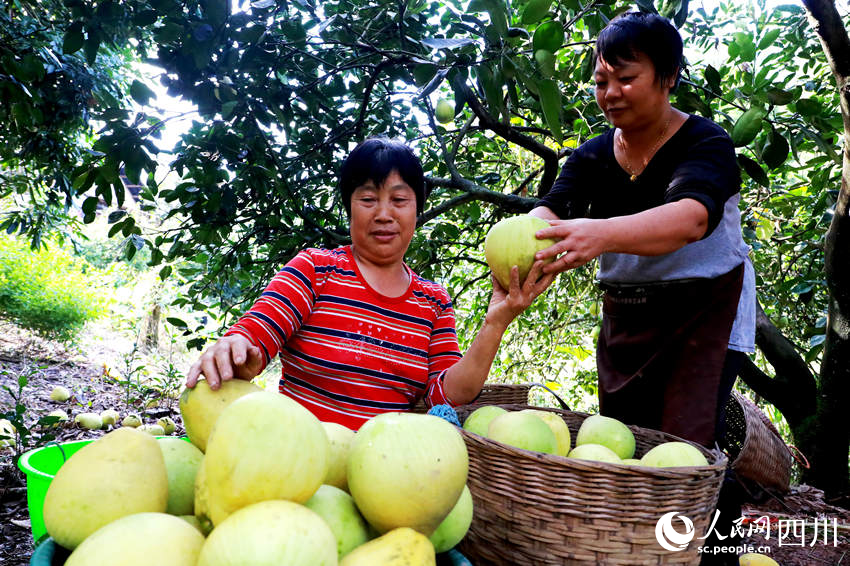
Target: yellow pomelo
column 167, row 424
column 89, row 421
column 264, row 446
column 479, row 420
column 753, row 559
column 338, row 510
column 632, row 462
column 672, row 455
column 120, row 474
column 512, row 242
column 611, row 433
column 559, row 429
column 203, row 504
column 142, row 539
column 453, row 528
column 201, row 406
column 192, row 520
column 60, row 394
column 340, row 438
column 132, row 421
column 595, row 452
column 523, row 430
column 407, row 470
column 271, row 533
column 399, row 547
column 109, row 416
column 182, row 461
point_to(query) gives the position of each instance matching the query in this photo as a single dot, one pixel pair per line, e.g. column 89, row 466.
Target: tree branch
column 471, row 191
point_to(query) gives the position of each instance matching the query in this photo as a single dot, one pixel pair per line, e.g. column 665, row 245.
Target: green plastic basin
column 40, row 466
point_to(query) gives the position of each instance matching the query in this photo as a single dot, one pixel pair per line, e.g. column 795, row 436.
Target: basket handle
column 798, row 455
column 561, row 402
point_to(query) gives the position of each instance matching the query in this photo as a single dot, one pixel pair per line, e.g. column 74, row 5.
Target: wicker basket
column 756, row 449
column 533, row 508
column 492, row 394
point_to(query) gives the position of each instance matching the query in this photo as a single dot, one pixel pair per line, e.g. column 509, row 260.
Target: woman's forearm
column 464, row 380
column 657, row 231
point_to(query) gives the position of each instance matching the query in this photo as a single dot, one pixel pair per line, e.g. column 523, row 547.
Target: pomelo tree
column 285, row 88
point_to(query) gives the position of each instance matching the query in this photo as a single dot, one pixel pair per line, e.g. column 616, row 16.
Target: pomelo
column 120, row 474
column 445, row 111
column 338, row 510
column 109, row 416
column 523, row 430
column 399, row 547
column 753, row 559
column 60, row 394
column 270, row 533
column 597, row 429
column 132, row 421
column 182, row 460
column 340, row 438
column 167, row 424
column 264, row 446
column 407, row 470
column 141, row 539
column 595, row 452
column 454, row 527
column 479, row 420
column 673, row 454
column 89, row 421
column 512, row 242
column 201, row 406
column 559, row 429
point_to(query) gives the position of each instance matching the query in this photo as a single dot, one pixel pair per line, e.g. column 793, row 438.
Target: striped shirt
column 348, row 352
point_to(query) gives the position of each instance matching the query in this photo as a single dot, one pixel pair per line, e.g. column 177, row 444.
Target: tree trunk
column 149, row 340
column 831, row 434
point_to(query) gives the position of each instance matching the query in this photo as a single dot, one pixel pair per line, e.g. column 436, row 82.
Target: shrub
column 47, row 291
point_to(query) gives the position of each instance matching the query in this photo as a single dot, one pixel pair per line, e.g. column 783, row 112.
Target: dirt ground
column 48, row 365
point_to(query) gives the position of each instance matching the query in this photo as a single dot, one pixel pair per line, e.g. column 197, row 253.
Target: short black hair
column 374, row 159
column 633, row 33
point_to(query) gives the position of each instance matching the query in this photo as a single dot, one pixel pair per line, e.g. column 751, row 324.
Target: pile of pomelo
column 264, row 482
column 599, row 438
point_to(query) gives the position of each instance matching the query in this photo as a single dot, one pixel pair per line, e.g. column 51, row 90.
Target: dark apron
column 661, row 350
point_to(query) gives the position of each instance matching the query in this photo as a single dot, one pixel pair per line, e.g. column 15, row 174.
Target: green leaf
column 74, row 39
column 769, row 38
column 712, row 78
column 808, row 106
column 141, row 93
column 550, row 101
column 752, row 169
column 548, row 36
column 534, row 11
column 145, row 18
column 179, row 323
column 91, row 47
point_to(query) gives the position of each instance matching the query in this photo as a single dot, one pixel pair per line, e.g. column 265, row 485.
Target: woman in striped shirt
column 359, row 333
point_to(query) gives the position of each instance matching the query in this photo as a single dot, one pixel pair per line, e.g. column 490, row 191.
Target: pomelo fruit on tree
column 445, row 111
column 673, row 454
column 142, row 539
column 263, row 446
column 201, row 406
column 523, row 430
column 598, row 429
column 479, row 420
column 407, row 470
column 120, row 474
column 454, row 527
column 512, row 242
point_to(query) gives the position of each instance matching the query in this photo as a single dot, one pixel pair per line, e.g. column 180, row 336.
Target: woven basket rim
column 720, row 459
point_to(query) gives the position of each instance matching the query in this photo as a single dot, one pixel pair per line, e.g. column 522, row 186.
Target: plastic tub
column 40, row 466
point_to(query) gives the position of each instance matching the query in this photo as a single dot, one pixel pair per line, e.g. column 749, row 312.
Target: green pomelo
column 167, row 424
column 512, row 242
column 479, row 421
column 595, row 452
column 182, row 461
column 523, row 430
column 120, row 474
column 270, row 533
column 60, row 394
column 672, row 455
column 559, row 429
column 132, row 421
column 340, row 438
column 399, row 547
column 264, row 446
column 152, row 429
column 142, row 539
column 338, row 510
column 407, row 470
column 597, row 429
column 201, row 406
column 89, row 421
column 445, row 111
column 109, row 416
column 454, row 527
column 548, row 36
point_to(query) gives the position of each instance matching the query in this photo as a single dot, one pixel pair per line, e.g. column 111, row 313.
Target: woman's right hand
column 230, row 357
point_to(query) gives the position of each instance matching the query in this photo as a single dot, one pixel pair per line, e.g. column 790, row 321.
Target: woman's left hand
column 507, row 304
column 581, row 240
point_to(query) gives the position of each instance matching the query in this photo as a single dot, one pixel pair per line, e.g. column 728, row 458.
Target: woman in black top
column 656, row 199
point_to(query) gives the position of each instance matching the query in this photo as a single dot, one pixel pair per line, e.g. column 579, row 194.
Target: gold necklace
column 627, row 162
